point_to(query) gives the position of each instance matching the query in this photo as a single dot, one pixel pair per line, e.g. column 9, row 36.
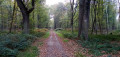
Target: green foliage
column 46, row 35
column 79, row 55
column 31, row 52
column 59, row 34
column 115, row 32
column 58, row 29
column 99, row 47
column 66, row 34
column 109, row 37
column 69, row 35
column 12, row 43
column 65, row 40
column 41, row 43
column 40, row 16
column 39, row 32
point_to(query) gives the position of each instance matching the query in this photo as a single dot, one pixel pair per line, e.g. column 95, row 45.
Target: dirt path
column 54, row 47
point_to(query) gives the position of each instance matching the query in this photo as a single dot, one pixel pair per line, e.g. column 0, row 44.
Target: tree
column 80, row 22
column 86, row 18
column 72, row 13
column 13, row 16
column 84, row 9
column 25, row 13
column 58, row 12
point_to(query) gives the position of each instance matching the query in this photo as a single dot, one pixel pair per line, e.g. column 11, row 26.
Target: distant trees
column 58, row 12
column 87, row 16
column 41, row 15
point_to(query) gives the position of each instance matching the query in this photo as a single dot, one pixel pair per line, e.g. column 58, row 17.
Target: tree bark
column 72, row 11
column 81, row 13
column 26, row 23
column 107, row 19
column 94, row 24
column 86, row 18
column 1, row 19
column 11, row 24
column 25, row 13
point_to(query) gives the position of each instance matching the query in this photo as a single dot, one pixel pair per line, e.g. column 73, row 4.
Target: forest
column 59, row 28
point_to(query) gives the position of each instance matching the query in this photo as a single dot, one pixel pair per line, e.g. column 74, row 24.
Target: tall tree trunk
column 37, row 23
column 25, row 13
column 55, row 24
column 33, row 18
column 94, row 25
column 81, row 13
column 107, row 19
column 86, row 18
column 13, row 16
column 1, row 19
column 99, row 20
column 72, row 11
column 26, row 23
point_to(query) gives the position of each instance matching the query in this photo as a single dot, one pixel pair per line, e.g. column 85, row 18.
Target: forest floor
column 54, row 46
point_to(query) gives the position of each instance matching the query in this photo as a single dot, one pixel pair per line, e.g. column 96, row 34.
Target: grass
column 40, row 43
column 78, row 54
column 46, row 35
column 59, row 34
column 67, row 34
column 65, row 40
column 30, row 52
column 62, row 36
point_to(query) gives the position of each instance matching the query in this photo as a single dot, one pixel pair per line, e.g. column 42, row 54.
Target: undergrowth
column 46, row 35
column 66, row 34
column 78, row 54
column 99, row 47
column 30, row 52
column 59, row 34
column 65, row 40
column 108, row 37
column 97, row 44
column 12, row 44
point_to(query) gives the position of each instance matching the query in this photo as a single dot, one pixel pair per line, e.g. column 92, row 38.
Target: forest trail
column 54, row 47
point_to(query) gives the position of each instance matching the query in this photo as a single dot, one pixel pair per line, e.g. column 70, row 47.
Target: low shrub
column 115, row 32
column 12, row 43
column 39, row 32
column 58, row 29
column 69, row 35
column 30, row 52
column 106, row 37
column 78, row 54
column 99, row 47
column 46, row 35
